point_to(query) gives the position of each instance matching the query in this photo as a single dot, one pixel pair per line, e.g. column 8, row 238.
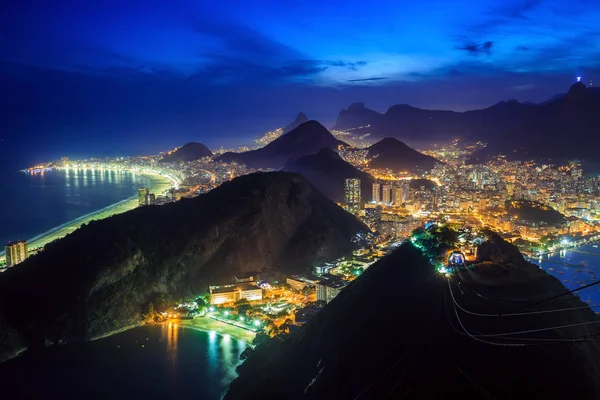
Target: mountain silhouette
column 188, row 152
column 562, row 127
column 300, row 119
column 327, row 172
column 308, row 138
column 392, row 154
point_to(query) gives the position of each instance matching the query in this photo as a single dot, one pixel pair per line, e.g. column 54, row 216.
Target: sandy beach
column 208, row 324
column 158, row 184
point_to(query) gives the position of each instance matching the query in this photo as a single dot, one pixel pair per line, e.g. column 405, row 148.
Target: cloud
column 477, row 48
column 365, row 79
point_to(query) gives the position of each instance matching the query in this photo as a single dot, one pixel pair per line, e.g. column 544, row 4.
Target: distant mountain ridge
column 392, row 154
column 188, row 152
column 509, row 127
column 327, row 172
column 307, row 138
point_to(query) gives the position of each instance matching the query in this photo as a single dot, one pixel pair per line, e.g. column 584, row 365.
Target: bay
column 161, row 361
column 575, row 268
column 33, row 204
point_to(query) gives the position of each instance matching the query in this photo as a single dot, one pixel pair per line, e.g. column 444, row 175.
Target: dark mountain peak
column 389, row 142
column 391, row 153
column 307, row 138
column 355, row 116
column 357, row 107
column 310, row 126
column 577, row 91
column 300, row 119
column 328, row 153
column 506, row 104
column 401, row 108
column 188, row 152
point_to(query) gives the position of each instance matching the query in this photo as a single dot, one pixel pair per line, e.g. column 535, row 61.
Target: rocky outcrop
column 102, row 277
column 498, row 251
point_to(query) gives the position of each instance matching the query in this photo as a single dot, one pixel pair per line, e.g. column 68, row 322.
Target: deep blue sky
column 126, row 77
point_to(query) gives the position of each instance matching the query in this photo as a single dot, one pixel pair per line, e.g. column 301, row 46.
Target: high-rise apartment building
column 143, row 196
column 16, row 252
column 376, row 192
column 386, row 195
column 397, row 195
column 352, row 194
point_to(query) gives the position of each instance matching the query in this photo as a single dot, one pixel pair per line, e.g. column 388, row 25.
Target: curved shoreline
column 157, row 184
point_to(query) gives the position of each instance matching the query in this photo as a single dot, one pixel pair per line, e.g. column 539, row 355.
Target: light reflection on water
column 575, row 268
column 167, row 361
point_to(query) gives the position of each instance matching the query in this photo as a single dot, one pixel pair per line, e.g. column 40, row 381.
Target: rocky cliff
column 102, row 277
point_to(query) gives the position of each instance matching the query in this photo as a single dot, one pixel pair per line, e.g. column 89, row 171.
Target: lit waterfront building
column 143, row 196
column 16, row 252
column 386, row 197
column 376, row 192
column 353, row 196
column 222, row 294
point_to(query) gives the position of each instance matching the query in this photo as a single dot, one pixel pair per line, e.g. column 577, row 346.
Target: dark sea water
column 152, row 362
column 33, row 204
column 575, row 268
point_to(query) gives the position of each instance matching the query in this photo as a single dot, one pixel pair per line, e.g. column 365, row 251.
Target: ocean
column 33, row 204
column 575, row 268
column 149, row 362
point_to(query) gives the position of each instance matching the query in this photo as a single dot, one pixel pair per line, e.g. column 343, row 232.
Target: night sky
column 112, row 77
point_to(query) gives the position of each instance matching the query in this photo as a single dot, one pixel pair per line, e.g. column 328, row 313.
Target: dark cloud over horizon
column 166, row 72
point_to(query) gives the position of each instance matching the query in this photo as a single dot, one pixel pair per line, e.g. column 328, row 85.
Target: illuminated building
column 299, row 282
column 398, row 195
column 376, row 192
column 143, row 196
column 353, row 196
column 386, row 197
column 329, row 288
column 16, row 252
column 231, row 293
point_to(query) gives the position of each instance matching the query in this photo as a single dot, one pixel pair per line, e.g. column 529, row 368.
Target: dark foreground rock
column 393, row 333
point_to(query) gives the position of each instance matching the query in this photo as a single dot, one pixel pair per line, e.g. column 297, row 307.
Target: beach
column 208, row 324
column 157, row 184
